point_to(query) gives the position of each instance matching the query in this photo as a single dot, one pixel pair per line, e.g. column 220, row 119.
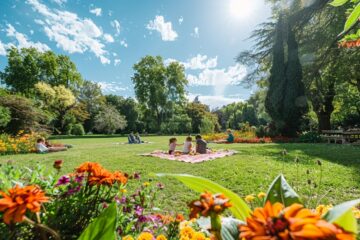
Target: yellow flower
column 261, row 195
column 249, row 198
column 146, row 184
column 128, row 238
column 322, row 209
column 123, row 190
column 161, row 237
column 199, row 236
column 187, row 232
column 145, row 236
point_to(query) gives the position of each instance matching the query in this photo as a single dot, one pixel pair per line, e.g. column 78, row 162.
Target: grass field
column 250, row 171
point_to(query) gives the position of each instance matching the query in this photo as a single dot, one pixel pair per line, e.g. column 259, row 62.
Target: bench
column 350, row 136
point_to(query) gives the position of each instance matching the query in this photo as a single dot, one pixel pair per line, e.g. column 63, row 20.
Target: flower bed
column 94, row 203
column 21, row 143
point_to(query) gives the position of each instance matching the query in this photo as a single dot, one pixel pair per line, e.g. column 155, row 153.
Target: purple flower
column 123, row 200
column 160, row 186
column 71, row 191
column 142, row 219
column 138, row 210
column 137, row 175
column 126, row 209
column 79, row 178
column 63, row 180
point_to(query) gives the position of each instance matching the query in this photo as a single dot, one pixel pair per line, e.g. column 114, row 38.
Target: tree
column 158, row 88
column 108, row 120
column 207, row 126
column 24, row 114
column 127, row 107
column 28, row 66
column 197, row 112
column 92, row 98
column 58, row 100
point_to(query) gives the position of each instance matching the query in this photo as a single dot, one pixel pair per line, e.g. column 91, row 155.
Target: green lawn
column 250, row 171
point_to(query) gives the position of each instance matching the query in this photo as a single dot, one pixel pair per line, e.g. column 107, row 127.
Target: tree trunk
column 324, row 120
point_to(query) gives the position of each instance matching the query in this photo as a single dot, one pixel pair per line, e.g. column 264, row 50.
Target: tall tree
column 157, row 87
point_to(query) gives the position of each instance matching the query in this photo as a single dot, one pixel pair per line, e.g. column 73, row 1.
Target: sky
column 105, row 38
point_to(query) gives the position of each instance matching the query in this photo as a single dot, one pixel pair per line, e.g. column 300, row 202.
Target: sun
column 241, row 9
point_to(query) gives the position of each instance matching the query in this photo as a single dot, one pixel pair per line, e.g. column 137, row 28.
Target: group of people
column 200, row 148
column 43, row 146
column 134, row 138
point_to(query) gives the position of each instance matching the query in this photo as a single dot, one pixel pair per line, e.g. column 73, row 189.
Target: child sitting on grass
column 172, row 145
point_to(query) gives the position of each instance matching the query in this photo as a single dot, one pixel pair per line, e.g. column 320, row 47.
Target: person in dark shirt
column 201, row 145
column 230, row 138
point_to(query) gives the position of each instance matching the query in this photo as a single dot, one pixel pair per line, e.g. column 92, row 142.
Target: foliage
column 180, row 123
column 197, row 112
column 108, row 120
column 5, row 116
column 77, row 129
column 207, row 126
column 129, row 108
column 24, row 114
column 285, row 101
column 310, row 137
column 20, row 143
column 28, row 66
column 159, row 87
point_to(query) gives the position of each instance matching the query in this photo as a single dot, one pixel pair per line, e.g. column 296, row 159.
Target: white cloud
column 164, row 28
column 31, row 32
column 117, row 62
column 71, row 33
column 123, row 43
column 116, row 24
column 195, row 34
column 197, row 62
column 60, row 2
column 214, row 101
column 23, row 41
column 108, row 38
column 181, row 19
column 3, row 48
column 213, row 77
column 96, row 11
column 111, row 87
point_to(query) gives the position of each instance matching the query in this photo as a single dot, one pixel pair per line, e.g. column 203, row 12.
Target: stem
column 42, row 228
column 215, row 226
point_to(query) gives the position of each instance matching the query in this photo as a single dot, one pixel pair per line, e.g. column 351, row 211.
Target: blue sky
column 106, row 37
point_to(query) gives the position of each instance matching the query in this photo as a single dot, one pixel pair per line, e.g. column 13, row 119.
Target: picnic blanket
column 191, row 158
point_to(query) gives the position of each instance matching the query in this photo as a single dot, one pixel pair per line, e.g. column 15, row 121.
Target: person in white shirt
column 42, row 148
column 187, row 145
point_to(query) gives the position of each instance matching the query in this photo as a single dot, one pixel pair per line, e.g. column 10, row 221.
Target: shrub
column 20, row 143
column 207, row 126
column 5, row 116
column 77, row 129
column 310, row 137
column 260, row 131
column 109, row 120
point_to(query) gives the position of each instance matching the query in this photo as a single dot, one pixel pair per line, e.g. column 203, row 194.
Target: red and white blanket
column 191, row 158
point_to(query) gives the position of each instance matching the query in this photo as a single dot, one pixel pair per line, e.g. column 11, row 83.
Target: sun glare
column 241, row 9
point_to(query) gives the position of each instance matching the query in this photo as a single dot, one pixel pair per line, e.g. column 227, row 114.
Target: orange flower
column 295, row 222
column 120, row 177
column 101, row 177
column 209, row 203
column 19, row 200
column 89, row 167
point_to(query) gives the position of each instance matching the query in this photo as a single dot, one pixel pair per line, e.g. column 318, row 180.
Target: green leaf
column 281, row 191
column 103, row 227
column 343, row 215
column 337, row 3
column 239, row 209
column 353, row 18
column 229, row 227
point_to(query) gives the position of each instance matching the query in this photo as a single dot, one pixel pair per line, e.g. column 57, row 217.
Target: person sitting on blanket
column 172, row 146
column 187, row 145
column 41, row 147
column 138, row 138
column 201, row 145
column 131, row 138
